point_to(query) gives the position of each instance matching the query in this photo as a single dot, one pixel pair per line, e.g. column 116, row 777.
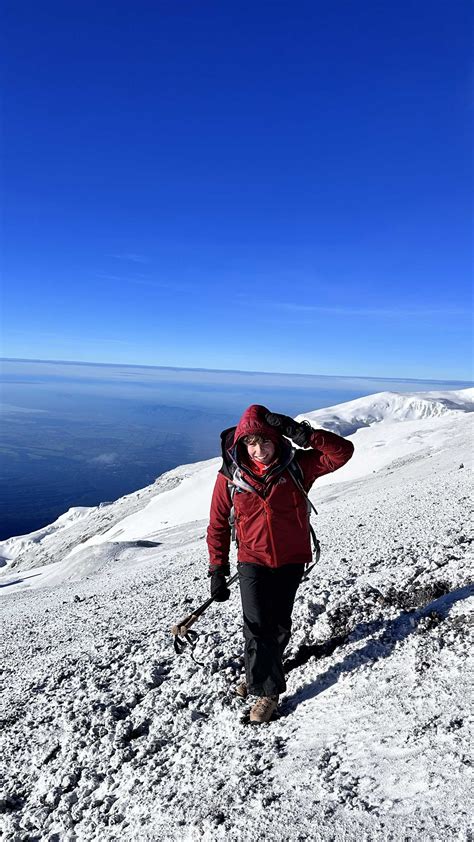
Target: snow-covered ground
column 106, row 734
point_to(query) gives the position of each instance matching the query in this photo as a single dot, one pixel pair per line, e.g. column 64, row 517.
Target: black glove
column 297, row 432
column 219, row 590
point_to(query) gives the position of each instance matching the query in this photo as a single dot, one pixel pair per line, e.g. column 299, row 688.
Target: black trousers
column 267, row 596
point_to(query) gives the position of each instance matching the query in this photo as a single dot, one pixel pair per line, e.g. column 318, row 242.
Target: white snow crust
column 107, row 734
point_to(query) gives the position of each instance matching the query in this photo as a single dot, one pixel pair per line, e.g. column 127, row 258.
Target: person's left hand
column 219, row 590
column 297, row 432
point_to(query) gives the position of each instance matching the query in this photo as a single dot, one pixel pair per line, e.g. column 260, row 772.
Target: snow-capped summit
column 346, row 418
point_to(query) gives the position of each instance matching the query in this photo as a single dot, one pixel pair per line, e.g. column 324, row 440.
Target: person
column 270, row 514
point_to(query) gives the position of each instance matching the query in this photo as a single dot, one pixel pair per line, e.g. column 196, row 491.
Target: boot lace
column 264, row 703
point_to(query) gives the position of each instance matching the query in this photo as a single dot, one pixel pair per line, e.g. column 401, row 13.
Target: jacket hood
column 253, row 423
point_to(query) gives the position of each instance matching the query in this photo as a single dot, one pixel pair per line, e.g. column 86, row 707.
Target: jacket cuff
column 219, row 568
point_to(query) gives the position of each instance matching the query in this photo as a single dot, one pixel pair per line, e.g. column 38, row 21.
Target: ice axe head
column 180, row 642
column 184, row 635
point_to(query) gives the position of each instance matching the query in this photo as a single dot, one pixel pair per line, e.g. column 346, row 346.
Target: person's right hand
column 219, row 590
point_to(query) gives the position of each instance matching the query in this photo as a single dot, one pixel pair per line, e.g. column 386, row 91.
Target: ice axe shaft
column 184, row 625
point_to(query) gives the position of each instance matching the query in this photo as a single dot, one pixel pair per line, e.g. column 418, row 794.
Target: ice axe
column 182, row 631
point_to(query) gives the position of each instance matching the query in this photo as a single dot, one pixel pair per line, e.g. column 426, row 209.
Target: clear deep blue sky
column 267, row 186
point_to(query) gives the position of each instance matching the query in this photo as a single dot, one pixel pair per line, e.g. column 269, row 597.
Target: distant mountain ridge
column 346, row 418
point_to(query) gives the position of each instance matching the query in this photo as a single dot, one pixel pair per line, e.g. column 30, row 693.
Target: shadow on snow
column 394, row 631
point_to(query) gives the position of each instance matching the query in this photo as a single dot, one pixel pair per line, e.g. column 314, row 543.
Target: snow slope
column 348, row 417
column 108, row 735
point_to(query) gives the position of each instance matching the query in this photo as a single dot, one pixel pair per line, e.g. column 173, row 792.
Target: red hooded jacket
column 271, row 519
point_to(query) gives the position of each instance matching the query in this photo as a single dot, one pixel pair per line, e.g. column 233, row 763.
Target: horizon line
column 236, row 371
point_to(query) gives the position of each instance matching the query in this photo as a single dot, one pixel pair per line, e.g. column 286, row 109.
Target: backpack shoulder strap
column 231, row 489
column 296, row 473
column 236, row 483
column 296, row 470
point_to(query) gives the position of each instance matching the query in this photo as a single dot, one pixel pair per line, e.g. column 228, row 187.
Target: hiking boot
column 241, row 690
column 263, row 709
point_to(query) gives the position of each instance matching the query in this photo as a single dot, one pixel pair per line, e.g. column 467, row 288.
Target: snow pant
column 267, row 596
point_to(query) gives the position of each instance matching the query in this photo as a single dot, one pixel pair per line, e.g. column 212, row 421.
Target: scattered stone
column 197, row 715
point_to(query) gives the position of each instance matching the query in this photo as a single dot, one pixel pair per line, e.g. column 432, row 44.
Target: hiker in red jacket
column 272, row 532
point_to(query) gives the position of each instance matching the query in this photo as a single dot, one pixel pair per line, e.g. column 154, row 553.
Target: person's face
column 262, row 451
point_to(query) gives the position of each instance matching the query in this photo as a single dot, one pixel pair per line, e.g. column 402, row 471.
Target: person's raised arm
column 330, row 451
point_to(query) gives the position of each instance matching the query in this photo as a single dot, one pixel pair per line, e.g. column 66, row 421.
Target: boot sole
column 245, row 720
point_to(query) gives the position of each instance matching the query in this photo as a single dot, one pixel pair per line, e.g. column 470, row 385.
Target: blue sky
column 264, row 186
